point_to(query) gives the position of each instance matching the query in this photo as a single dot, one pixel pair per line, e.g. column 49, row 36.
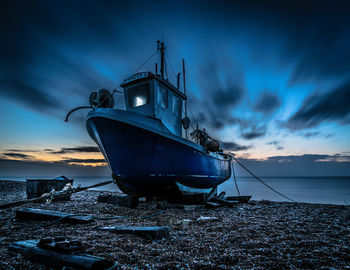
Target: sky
column 269, row 79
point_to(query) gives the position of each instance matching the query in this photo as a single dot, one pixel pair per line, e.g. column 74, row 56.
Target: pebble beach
column 255, row 235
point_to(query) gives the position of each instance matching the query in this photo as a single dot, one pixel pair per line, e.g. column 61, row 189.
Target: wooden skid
column 56, row 259
column 146, row 232
column 241, row 199
column 224, row 202
column 41, row 214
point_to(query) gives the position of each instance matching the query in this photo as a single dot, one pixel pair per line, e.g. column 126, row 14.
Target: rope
column 149, row 58
column 93, row 217
column 171, row 65
column 78, row 108
column 234, row 177
column 244, row 167
column 189, row 109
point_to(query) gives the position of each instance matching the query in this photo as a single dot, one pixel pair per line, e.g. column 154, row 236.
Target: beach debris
column 200, row 219
column 41, row 214
column 221, row 195
column 223, row 202
column 59, row 252
column 212, row 205
column 174, row 222
column 149, row 232
column 37, row 187
column 241, row 199
column 55, row 195
column 120, row 200
column 186, row 207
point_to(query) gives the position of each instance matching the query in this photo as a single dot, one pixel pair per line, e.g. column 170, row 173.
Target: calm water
column 334, row 190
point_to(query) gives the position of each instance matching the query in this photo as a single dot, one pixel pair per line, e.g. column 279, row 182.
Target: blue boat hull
column 146, row 163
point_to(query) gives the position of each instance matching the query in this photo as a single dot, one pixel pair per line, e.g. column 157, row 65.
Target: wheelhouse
column 153, row 96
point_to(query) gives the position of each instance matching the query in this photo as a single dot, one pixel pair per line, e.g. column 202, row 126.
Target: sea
column 325, row 190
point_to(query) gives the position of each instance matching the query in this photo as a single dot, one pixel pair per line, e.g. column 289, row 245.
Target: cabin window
column 162, row 97
column 176, row 105
column 138, row 95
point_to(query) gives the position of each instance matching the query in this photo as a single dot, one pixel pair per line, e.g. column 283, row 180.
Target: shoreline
column 259, row 235
column 345, row 203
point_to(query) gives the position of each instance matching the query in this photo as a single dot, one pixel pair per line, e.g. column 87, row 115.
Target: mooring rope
column 244, row 167
column 234, row 177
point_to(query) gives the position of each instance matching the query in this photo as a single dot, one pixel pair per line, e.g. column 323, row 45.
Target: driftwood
column 50, row 196
column 41, row 214
column 146, row 232
column 56, row 259
column 120, row 200
column 241, row 199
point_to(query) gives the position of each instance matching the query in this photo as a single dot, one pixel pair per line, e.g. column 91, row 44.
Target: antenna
column 184, row 81
column 162, row 58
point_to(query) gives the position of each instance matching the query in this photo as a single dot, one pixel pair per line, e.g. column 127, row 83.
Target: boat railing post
column 184, row 82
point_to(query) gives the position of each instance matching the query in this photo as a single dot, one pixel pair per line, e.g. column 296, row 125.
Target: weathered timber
column 212, row 205
column 146, row 232
column 224, row 202
column 165, row 205
column 56, row 259
column 120, row 200
column 189, row 199
column 37, row 187
column 221, row 195
column 41, row 214
column 61, row 244
column 241, row 199
column 55, row 195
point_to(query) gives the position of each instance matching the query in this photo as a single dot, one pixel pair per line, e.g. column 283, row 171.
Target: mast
column 184, row 81
column 162, row 58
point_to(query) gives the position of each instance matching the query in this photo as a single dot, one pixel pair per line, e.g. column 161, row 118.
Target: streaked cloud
column 267, row 103
column 79, row 149
column 318, row 108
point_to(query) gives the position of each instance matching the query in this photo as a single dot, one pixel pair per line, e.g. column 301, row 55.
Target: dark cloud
column 254, row 132
column 77, row 160
column 33, row 168
column 221, row 88
column 17, row 155
column 231, row 146
column 54, row 48
column 311, row 134
column 22, row 150
column 273, row 143
column 317, row 108
column 80, row 149
column 267, row 103
column 276, row 144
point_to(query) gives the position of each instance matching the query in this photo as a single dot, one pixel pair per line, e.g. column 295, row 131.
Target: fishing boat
column 147, row 145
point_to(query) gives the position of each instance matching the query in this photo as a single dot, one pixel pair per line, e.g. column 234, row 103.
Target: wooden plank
column 149, row 232
column 241, row 199
column 41, row 214
column 221, row 195
column 58, row 260
column 224, row 202
column 212, row 205
column 120, row 200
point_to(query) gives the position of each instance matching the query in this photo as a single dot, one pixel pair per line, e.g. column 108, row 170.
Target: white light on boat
column 140, row 101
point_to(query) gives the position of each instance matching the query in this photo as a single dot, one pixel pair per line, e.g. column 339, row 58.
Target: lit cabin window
column 176, row 105
column 162, row 97
column 138, row 95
